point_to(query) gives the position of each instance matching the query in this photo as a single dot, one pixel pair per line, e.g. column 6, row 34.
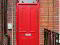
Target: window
column 57, row 39
column 27, row 1
column 50, row 37
column 45, row 38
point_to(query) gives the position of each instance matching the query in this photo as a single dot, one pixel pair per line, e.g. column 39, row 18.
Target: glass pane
column 57, row 36
column 30, row 1
column 27, row 1
column 57, row 40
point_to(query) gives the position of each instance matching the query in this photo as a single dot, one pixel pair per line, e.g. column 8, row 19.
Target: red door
column 27, row 24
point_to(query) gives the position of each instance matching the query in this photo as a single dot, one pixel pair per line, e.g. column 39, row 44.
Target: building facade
column 49, row 19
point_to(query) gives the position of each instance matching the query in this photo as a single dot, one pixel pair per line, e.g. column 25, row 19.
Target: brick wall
column 48, row 17
column 0, row 22
column 14, row 22
column 12, row 11
column 1, row 34
column 9, row 18
column 43, row 19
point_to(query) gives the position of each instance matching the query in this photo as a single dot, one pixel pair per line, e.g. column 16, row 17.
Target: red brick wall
column 9, row 18
column 1, row 40
column 12, row 11
column 48, row 17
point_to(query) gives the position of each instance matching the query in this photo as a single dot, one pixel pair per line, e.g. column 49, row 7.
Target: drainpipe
column 59, row 21
column 12, row 21
column 5, row 22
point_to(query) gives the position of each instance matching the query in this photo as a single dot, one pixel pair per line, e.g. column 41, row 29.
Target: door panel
column 27, row 25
